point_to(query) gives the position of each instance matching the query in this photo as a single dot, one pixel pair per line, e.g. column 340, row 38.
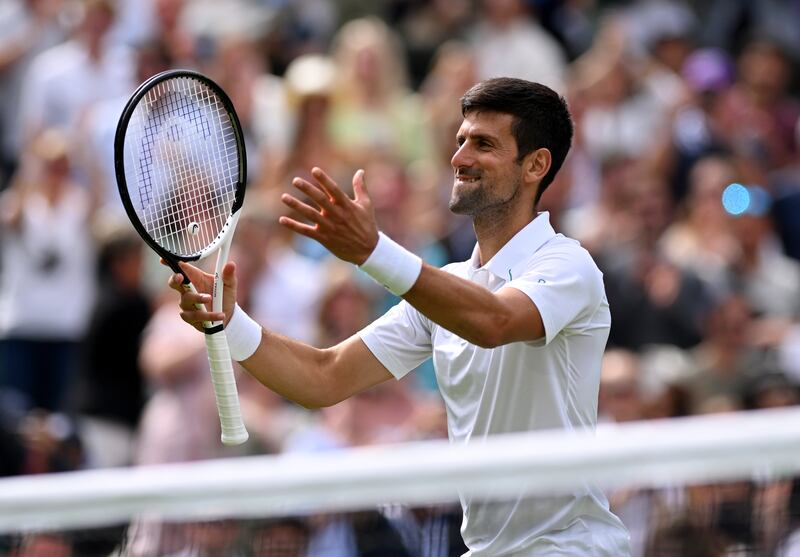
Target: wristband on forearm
column 392, row 265
column 243, row 333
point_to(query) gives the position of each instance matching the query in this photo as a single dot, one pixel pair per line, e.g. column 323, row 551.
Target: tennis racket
column 180, row 163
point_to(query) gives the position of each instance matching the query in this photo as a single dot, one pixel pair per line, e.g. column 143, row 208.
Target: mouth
column 467, row 178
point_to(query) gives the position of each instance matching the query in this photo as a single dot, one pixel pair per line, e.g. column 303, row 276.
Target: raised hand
column 346, row 227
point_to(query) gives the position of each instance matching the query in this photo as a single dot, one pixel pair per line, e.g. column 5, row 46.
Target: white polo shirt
column 522, row 386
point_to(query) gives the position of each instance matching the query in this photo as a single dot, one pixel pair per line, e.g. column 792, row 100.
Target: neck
column 494, row 230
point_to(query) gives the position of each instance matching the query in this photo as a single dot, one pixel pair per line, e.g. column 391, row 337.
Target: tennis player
column 516, row 333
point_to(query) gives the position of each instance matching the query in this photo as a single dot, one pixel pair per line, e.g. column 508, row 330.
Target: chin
column 458, row 207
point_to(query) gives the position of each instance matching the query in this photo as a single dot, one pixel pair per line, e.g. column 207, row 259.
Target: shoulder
column 568, row 253
column 564, row 259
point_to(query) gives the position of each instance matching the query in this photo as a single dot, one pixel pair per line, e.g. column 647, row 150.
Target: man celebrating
column 516, row 333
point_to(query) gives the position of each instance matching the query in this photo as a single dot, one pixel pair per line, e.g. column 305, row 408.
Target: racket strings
column 185, row 165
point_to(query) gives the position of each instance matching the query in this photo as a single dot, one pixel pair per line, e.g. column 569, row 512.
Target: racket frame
column 233, row 430
column 119, row 165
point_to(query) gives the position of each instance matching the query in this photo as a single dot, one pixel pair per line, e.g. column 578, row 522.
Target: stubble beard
column 479, row 202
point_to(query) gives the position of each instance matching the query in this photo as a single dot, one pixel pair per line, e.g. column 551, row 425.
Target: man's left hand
column 346, row 227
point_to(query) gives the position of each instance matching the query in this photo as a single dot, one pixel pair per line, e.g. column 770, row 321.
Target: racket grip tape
column 227, row 397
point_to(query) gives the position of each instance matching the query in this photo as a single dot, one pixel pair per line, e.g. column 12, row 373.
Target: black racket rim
column 119, row 155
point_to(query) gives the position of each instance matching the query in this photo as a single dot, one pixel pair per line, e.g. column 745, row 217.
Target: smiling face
column 488, row 176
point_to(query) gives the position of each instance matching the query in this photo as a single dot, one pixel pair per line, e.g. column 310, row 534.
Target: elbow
column 326, row 390
column 321, row 397
column 492, row 333
column 488, row 340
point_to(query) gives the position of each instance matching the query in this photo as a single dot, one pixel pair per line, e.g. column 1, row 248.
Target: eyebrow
column 478, row 136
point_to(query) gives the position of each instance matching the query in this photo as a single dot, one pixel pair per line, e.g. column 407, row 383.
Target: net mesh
column 181, row 164
column 704, row 486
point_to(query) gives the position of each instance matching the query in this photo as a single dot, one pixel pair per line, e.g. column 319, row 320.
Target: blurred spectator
column 617, row 115
column 375, row 114
column 170, row 30
column 48, row 263
column 683, row 537
column 210, row 539
column 45, row 545
column 27, row 27
column 52, row 443
column 427, row 26
column 696, row 130
column 701, row 241
column 62, row 82
column 769, row 279
column 621, row 397
column 306, row 92
column 654, row 301
column 759, row 115
column 259, row 98
column 771, row 389
column 280, row 538
column 725, row 362
column 509, row 42
column 98, row 126
column 729, row 23
column 109, row 392
column 287, row 287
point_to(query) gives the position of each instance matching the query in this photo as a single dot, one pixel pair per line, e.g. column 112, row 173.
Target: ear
column 536, row 165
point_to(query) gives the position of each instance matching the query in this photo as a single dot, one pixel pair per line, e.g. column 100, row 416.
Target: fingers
column 191, row 301
column 229, row 274
column 330, row 187
column 200, row 278
column 360, row 188
column 300, row 228
column 194, row 301
column 305, row 210
column 229, row 287
column 319, row 196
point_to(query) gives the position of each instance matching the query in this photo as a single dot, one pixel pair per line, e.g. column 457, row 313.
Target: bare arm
column 473, row 312
column 310, row 376
column 347, row 228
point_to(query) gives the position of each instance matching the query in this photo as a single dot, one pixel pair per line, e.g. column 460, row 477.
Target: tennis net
column 718, row 485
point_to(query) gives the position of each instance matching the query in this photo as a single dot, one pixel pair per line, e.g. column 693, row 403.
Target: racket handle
column 230, row 413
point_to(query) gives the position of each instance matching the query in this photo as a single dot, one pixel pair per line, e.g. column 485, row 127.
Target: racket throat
column 216, row 304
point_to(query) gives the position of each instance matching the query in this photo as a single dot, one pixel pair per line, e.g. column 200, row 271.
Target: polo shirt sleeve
column 565, row 286
column 400, row 339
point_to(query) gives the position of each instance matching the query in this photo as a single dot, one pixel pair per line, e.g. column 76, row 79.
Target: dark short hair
column 541, row 117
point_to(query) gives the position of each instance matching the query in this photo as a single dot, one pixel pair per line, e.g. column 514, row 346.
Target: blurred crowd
column 683, row 182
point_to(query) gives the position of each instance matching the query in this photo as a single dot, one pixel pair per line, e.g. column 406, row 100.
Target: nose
column 462, row 157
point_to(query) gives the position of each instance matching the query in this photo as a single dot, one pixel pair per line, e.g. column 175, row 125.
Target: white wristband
column 244, row 335
column 392, row 265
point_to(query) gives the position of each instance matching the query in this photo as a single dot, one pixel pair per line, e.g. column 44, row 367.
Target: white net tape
column 762, row 445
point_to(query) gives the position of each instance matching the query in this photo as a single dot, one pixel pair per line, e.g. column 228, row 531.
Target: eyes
column 481, row 143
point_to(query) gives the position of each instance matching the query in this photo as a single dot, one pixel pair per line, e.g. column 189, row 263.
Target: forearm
column 467, row 309
column 292, row 369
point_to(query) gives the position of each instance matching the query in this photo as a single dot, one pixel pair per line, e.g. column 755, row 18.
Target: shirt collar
column 519, row 248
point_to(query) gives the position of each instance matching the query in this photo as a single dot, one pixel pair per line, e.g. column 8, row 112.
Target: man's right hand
column 204, row 284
